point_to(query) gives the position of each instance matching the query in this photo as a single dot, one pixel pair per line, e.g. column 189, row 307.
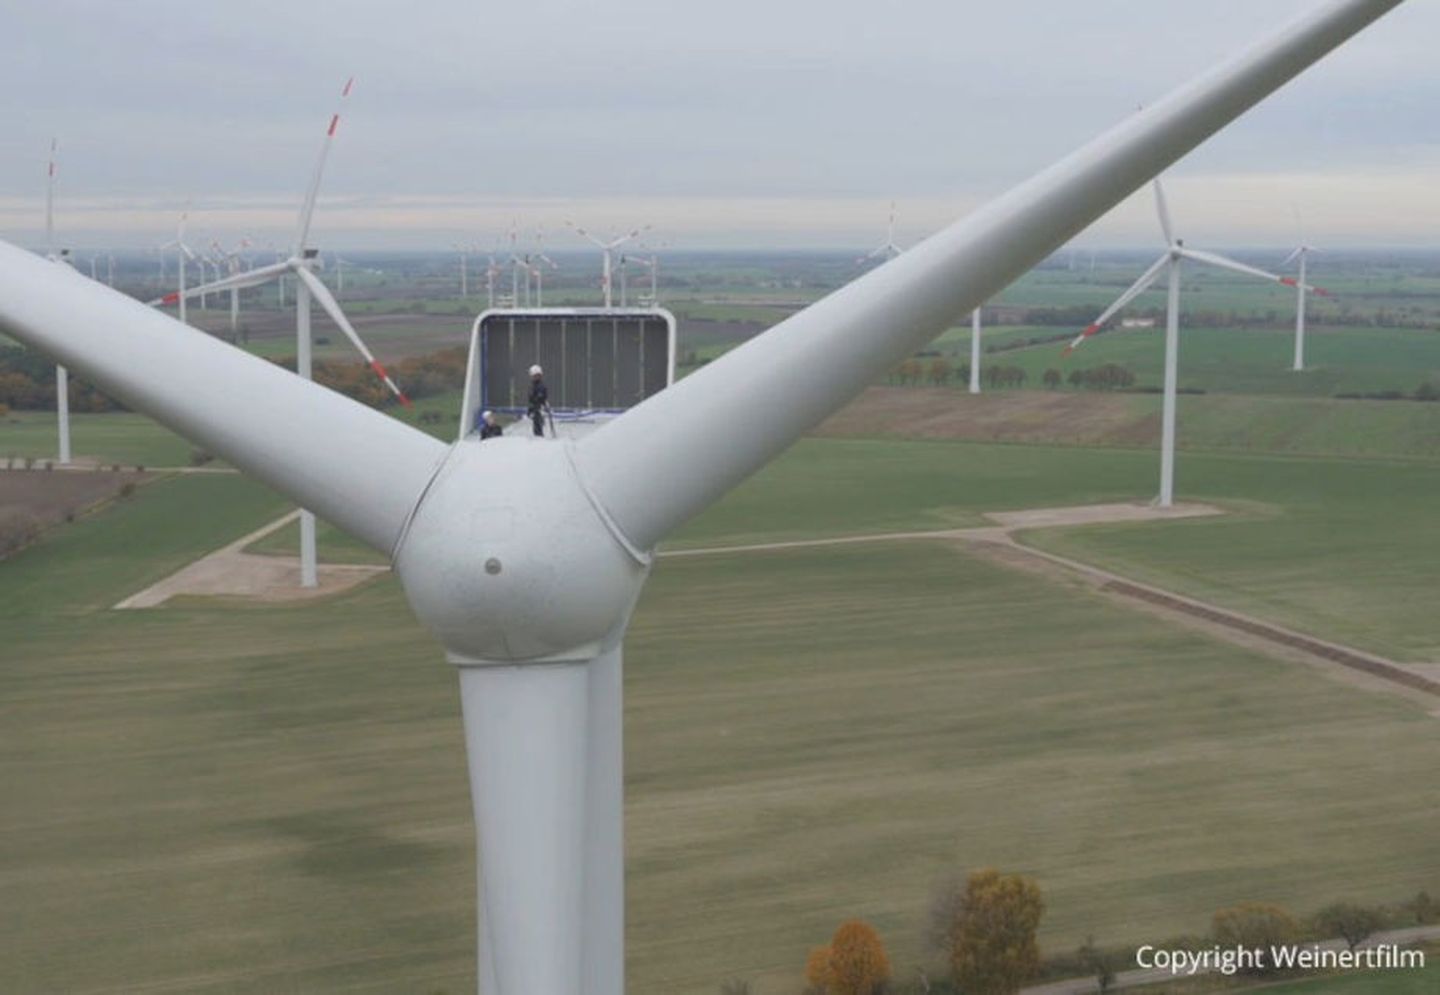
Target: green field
column 1254, row 361
column 111, row 438
column 1345, row 550
column 220, row 797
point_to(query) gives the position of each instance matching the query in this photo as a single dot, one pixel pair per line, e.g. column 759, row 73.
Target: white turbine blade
column 1293, row 256
column 577, row 229
column 322, row 294
column 307, row 208
column 849, row 339
column 636, row 233
column 1223, row 262
column 250, row 278
column 314, row 445
column 1162, row 210
column 1135, row 290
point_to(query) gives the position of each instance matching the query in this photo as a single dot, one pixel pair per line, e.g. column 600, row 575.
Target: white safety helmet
column 488, row 415
column 535, row 371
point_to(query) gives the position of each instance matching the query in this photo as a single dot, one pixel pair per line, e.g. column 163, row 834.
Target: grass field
column 1312, row 426
column 112, row 438
column 1344, row 550
column 1254, row 361
column 219, row 797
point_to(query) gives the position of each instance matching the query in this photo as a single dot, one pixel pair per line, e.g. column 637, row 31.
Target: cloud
column 823, row 111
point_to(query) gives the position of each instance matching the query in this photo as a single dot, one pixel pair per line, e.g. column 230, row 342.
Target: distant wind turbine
column 62, row 375
column 300, row 264
column 1301, row 288
column 183, row 254
column 1176, row 252
column 886, row 249
column 606, row 249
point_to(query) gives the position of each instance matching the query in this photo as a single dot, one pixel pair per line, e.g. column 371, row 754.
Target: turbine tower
column 62, row 375
column 1176, row 253
column 1301, row 254
column 526, row 557
column 975, row 351
column 300, row 264
column 233, row 263
column 606, row 249
column 464, row 251
column 183, row 253
column 541, row 260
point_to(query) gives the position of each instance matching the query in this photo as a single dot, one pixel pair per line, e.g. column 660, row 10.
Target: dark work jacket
column 490, row 431
column 538, row 395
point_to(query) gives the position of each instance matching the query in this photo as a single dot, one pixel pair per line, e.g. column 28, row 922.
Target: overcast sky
column 754, row 123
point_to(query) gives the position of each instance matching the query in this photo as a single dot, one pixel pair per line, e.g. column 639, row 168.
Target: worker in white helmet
column 539, row 399
column 489, row 427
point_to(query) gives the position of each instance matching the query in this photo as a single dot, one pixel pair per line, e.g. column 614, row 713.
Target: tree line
column 27, row 380
column 983, row 929
column 938, row 371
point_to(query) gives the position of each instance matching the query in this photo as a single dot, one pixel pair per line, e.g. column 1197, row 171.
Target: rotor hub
column 507, row 560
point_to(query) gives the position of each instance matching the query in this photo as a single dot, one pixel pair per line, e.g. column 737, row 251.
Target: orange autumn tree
column 853, row 964
column 993, row 949
column 817, row 971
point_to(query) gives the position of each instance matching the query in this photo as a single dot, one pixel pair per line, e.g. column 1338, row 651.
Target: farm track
column 1261, row 634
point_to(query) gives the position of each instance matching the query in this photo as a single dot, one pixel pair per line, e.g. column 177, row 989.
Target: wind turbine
column 183, row 253
column 541, row 261
column 233, row 263
column 464, row 251
column 606, row 248
column 886, row 249
column 300, row 264
column 1301, row 288
column 340, row 264
column 652, row 264
column 1176, row 253
column 492, row 270
column 525, row 558
column 62, row 375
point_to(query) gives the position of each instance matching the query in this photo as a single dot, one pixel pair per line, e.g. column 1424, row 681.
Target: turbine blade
column 250, row 278
column 784, row 382
column 1135, row 290
column 1162, row 210
column 1223, row 262
column 318, row 447
column 332, row 307
column 307, row 207
column 1292, row 257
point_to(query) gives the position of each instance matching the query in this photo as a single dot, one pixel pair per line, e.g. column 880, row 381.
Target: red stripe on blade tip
column 348, row 84
column 334, row 123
